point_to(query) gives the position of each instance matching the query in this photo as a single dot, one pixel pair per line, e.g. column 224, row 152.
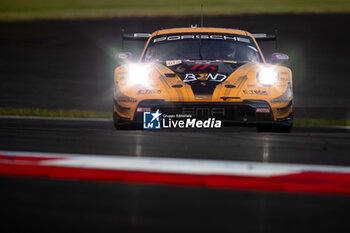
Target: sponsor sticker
column 255, row 92
column 143, row 109
column 173, row 62
column 262, row 110
column 204, row 77
column 203, row 37
column 148, row 91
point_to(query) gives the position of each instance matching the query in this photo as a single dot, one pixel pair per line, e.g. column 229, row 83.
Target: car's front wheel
column 120, row 124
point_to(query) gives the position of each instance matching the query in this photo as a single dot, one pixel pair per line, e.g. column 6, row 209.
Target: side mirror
column 279, row 58
column 123, row 57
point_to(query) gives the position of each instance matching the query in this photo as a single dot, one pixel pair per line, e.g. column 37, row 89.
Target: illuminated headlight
column 138, row 75
column 267, row 76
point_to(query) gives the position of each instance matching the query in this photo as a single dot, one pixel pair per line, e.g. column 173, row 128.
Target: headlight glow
column 138, row 74
column 267, row 76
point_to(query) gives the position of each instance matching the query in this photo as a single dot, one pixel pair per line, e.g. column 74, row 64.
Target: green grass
column 54, row 113
column 320, row 122
column 95, row 114
column 72, row 9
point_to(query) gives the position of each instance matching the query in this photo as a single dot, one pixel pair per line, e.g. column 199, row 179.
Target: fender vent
column 230, row 86
column 177, row 86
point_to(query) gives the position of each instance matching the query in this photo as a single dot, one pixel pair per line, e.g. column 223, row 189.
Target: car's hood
column 202, row 76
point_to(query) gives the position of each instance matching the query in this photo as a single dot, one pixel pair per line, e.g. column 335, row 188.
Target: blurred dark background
column 63, row 64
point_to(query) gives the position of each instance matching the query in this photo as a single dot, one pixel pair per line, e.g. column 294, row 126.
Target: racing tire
column 120, row 124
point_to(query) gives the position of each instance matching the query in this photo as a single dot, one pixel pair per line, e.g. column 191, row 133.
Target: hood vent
column 170, row 75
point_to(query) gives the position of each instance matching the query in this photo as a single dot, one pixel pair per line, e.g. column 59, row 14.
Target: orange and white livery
column 205, row 72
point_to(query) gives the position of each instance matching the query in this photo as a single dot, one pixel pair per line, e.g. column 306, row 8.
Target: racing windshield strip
column 181, row 46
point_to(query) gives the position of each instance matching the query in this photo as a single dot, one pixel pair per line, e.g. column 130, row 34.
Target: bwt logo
column 151, row 120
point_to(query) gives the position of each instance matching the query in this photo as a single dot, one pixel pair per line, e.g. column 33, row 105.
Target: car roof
column 200, row 30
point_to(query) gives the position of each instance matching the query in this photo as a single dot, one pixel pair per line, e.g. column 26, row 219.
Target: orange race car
column 213, row 74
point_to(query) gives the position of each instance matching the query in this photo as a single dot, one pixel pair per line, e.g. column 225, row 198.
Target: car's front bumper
column 239, row 113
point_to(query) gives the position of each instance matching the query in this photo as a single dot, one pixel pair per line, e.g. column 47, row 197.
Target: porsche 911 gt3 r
column 206, row 73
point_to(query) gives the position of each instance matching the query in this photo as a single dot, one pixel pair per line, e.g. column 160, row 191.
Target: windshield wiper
column 200, row 47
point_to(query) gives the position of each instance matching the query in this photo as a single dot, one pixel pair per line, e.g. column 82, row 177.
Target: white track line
column 172, row 165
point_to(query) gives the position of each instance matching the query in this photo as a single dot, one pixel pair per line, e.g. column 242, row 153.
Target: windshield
column 209, row 47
